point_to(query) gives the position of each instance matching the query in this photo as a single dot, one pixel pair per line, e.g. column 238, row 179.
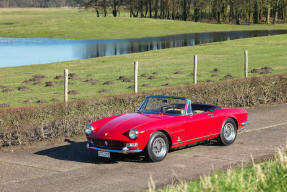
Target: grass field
column 265, row 176
column 157, row 69
column 80, row 24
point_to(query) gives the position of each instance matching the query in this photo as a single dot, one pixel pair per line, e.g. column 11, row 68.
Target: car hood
column 120, row 125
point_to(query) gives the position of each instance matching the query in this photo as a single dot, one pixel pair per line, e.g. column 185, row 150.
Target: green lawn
column 226, row 56
column 80, row 24
column 75, row 23
column 266, row 176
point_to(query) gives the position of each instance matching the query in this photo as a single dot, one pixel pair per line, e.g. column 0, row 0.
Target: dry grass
column 265, row 176
column 48, row 121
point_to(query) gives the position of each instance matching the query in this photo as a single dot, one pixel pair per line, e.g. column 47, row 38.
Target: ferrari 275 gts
column 162, row 123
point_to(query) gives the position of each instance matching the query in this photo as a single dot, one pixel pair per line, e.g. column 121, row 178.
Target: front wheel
column 228, row 132
column 157, row 147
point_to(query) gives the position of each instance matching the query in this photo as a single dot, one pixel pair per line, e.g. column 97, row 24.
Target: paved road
column 70, row 167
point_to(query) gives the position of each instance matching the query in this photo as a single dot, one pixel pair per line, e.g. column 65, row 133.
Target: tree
column 221, row 11
column 276, row 7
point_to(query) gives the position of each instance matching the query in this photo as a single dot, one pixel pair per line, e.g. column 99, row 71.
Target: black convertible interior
column 173, row 106
column 201, row 108
column 178, row 109
column 174, row 109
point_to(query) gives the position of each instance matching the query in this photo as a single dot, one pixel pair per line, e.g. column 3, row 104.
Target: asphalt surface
column 70, row 167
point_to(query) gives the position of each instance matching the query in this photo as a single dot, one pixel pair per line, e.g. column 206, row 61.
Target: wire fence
column 33, row 88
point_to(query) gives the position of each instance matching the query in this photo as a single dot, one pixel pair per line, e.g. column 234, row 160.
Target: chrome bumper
column 244, row 125
column 125, row 150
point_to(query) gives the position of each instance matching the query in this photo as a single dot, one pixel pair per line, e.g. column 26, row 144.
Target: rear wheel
column 157, row 147
column 228, row 132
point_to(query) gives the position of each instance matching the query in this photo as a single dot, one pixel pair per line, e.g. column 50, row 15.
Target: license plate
column 104, row 154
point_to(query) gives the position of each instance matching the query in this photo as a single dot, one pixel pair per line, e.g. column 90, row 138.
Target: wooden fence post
column 136, row 63
column 195, row 70
column 66, row 75
column 245, row 63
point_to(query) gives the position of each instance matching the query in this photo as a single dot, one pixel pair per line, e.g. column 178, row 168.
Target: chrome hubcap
column 159, row 147
column 229, row 132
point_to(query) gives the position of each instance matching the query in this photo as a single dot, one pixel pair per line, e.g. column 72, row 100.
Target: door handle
column 211, row 115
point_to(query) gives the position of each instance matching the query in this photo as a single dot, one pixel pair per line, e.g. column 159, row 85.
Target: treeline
column 219, row 11
column 37, row 3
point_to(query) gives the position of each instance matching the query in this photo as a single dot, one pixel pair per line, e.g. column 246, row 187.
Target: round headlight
column 133, row 134
column 89, row 130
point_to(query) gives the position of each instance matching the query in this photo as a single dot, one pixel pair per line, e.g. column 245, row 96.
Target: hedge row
column 43, row 122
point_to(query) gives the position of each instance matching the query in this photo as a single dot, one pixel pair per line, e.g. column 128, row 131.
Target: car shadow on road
column 77, row 152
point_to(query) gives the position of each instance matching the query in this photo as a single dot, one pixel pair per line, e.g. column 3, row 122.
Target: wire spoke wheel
column 159, row 147
column 229, row 132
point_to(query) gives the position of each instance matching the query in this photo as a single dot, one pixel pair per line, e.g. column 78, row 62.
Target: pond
column 26, row 51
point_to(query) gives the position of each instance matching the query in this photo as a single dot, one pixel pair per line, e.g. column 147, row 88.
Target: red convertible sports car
column 162, row 123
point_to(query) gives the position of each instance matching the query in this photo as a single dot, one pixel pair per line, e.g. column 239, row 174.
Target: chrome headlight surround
column 133, row 134
column 89, row 130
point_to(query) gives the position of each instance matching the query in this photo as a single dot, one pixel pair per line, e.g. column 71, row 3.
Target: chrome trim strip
column 196, row 139
column 245, row 123
column 125, row 150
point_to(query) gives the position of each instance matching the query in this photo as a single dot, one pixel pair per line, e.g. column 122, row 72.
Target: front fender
column 144, row 136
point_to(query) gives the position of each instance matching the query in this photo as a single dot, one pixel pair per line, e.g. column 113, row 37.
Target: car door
column 176, row 128
column 200, row 125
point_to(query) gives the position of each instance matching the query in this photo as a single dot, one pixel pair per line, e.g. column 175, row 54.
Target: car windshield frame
column 144, row 103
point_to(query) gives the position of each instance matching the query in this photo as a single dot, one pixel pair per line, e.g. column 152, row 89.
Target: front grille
column 108, row 144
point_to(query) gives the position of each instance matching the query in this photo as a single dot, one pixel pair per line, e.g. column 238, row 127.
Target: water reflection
column 25, row 51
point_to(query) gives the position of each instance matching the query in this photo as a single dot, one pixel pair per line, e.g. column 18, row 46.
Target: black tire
column 228, row 132
column 157, row 147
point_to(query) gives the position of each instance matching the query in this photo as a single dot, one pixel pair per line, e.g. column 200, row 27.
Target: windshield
column 163, row 105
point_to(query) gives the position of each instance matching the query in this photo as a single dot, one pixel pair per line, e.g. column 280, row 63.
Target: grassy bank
column 97, row 77
column 266, row 176
column 44, row 122
column 79, row 24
